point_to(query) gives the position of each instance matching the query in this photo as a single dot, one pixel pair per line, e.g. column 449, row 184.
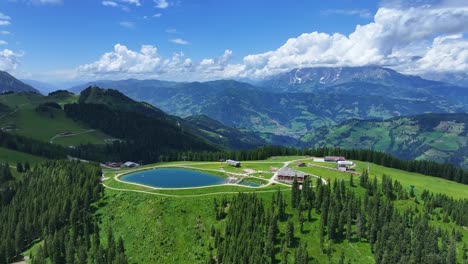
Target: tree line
column 251, row 234
column 54, row 203
column 32, row 146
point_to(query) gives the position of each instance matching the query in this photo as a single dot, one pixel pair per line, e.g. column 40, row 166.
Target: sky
column 60, row 41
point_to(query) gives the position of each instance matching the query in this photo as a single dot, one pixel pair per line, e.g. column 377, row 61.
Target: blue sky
column 59, row 40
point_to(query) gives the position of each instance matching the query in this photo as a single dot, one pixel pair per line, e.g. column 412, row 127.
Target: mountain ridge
column 8, row 83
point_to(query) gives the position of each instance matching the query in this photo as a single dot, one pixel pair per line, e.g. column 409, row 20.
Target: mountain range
column 293, row 103
column 350, row 107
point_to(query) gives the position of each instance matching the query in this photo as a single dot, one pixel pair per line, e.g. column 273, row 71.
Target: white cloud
column 9, row 60
column 134, row 2
column 4, row 17
column 4, row 32
column 4, row 23
column 3, row 42
column 127, row 24
column 172, row 31
column 179, row 41
column 116, row 5
column 157, row 15
column 419, row 40
column 161, row 4
column 364, row 13
column 123, row 63
column 386, row 41
column 110, row 3
column 447, row 53
column 123, row 60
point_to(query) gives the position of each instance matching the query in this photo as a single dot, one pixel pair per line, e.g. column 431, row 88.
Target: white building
column 234, row 163
column 130, row 164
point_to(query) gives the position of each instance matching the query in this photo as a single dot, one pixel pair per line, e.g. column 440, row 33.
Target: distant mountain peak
column 8, row 83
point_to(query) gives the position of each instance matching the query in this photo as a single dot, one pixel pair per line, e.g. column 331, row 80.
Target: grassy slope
column 44, row 126
column 439, row 137
column 13, row 157
column 177, row 229
column 420, row 181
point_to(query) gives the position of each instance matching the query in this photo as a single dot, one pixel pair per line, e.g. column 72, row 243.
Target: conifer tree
column 295, row 195
column 290, row 234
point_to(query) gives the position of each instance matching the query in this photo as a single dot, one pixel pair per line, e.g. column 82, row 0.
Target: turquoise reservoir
column 173, row 178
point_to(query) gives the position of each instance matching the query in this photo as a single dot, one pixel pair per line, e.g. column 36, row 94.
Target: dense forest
column 144, row 138
column 31, row 146
column 53, row 204
column 251, row 233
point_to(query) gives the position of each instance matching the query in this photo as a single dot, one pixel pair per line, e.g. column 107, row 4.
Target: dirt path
column 51, row 141
column 16, row 110
column 185, row 195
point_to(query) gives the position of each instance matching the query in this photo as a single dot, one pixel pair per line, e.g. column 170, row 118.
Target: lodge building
column 287, row 174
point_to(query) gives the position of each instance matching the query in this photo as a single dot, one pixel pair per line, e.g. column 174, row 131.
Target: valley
column 233, row 132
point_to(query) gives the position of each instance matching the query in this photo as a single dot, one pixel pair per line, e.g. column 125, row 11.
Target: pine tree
column 351, row 180
column 295, row 193
column 464, row 253
column 284, row 253
column 27, row 167
column 342, row 258
column 452, row 253
column 19, row 167
column 290, row 234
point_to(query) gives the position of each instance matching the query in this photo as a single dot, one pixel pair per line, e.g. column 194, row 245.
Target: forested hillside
column 53, row 204
column 438, row 137
column 284, row 230
column 144, row 139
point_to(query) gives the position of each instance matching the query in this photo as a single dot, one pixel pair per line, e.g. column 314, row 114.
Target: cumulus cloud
column 429, row 38
column 125, row 61
column 179, row 41
column 447, row 53
column 157, row 15
column 9, row 60
column 3, row 42
column 4, row 23
column 162, row 4
column 386, row 41
column 147, row 63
